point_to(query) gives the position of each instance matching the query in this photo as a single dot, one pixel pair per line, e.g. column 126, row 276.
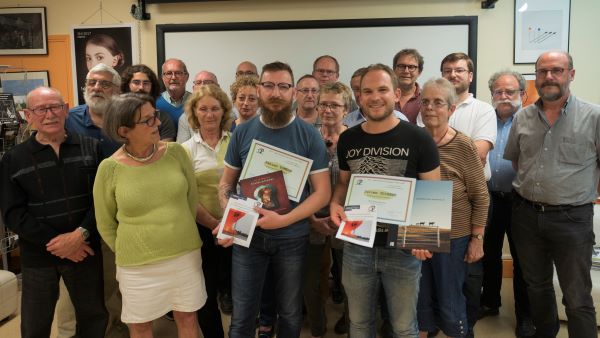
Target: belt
column 544, row 207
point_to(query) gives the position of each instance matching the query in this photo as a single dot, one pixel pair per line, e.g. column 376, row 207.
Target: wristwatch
column 84, row 232
column 477, row 236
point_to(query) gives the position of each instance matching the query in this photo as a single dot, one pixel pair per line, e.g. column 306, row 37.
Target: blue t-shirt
column 79, row 122
column 297, row 137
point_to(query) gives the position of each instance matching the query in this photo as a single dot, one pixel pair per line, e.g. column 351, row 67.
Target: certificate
column 392, row 195
column 264, row 158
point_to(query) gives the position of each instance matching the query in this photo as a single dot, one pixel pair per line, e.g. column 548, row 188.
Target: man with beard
column 307, row 90
column 507, row 88
column 410, row 152
column 280, row 241
column 554, row 146
column 101, row 83
column 141, row 79
column 172, row 100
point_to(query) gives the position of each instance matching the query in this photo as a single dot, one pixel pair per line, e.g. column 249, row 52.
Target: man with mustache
column 101, row 83
column 280, row 242
column 554, row 146
column 507, row 88
column 172, row 100
column 307, row 90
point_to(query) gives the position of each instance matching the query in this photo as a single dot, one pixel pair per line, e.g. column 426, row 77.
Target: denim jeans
column 397, row 271
column 268, row 309
column 40, row 292
column 563, row 237
column 286, row 258
column 500, row 223
column 313, row 297
column 442, row 303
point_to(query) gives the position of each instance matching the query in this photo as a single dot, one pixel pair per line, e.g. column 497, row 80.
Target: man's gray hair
column 102, row 68
column 509, row 72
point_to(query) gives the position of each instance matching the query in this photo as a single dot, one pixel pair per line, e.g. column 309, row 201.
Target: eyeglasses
column 404, row 67
column 213, row 109
column 151, row 121
column 325, row 71
column 103, row 83
column 332, row 106
column 554, row 71
column 437, row 103
column 508, row 92
column 203, row 82
column 144, row 83
column 307, row 91
column 459, row 71
column 270, row 86
column 171, row 74
column 246, row 73
column 55, row 109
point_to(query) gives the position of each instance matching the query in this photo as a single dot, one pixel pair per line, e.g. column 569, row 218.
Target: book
column 269, row 189
column 360, row 225
column 430, row 222
column 239, row 220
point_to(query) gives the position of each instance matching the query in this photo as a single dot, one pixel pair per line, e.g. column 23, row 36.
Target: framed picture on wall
column 540, row 25
column 531, row 94
column 20, row 83
column 23, row 31
column 113, row 45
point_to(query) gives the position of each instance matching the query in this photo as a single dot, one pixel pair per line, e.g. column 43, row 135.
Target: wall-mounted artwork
column 20, row 83
column 540, row 25
column 23, row 31
column 113, row 45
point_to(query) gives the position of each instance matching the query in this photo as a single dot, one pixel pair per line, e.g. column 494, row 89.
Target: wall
column 494, row 39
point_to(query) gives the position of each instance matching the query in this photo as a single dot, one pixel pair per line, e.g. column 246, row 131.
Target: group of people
column 102, row 199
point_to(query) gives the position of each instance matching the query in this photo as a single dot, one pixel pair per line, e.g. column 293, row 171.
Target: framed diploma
column 264, row 158
column 392, row 195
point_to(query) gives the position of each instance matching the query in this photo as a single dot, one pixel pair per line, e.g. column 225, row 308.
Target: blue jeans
column 286, row 258
column 40, row 293
column 562, row 237
column 441, row 300
column 397, row 271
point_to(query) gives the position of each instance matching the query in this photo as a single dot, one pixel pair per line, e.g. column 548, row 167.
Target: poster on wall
column 20, row 83
column 540, row 25
column 23, row 31
column 113, row 45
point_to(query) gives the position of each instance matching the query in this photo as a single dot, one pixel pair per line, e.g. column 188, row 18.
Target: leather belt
column 544, row 207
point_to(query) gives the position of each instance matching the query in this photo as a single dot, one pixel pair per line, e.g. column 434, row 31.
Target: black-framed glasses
column 104, row 84
column 151, row 121
column 55, row 109
column 405, row 67
column 437, row 103
column 270, row 86
column 332, row 106
column 203, row 82
column 553, row 71
column 176, row 73
column 245, row 73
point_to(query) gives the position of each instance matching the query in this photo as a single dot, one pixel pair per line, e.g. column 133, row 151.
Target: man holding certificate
column 382, row 145
column 277, row 140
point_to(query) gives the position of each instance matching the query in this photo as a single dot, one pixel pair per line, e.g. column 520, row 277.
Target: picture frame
column 540, row 25
column 531, row 94
column 23, row 31
column 115, row 45
column 21, row 83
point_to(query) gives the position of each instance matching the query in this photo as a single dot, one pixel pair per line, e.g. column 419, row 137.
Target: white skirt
column 150, row 291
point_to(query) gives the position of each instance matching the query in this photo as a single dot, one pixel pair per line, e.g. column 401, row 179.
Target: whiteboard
column 219, row 48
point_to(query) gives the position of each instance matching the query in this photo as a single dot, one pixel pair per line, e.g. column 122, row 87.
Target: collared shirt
column 356, row 117
column 412, row 107
column 476, row 119
column 173, row 108
column 175, row 103
column 502, row 170
column 557, row 164
column 79, row 121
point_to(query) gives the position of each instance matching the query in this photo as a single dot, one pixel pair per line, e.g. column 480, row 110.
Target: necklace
column 441, row 138
column 140, row 159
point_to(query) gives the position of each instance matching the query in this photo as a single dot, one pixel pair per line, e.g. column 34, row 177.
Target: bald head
column 246, row 68
column 40, row 94
column 205, row 78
